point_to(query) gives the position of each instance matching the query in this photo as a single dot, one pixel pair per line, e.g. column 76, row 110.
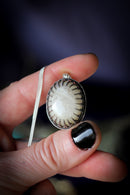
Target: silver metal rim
column 85, row 103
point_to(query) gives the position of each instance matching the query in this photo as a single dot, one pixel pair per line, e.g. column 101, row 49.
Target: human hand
column 27, row 169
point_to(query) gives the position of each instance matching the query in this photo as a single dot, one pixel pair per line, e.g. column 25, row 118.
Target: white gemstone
column 66, row 103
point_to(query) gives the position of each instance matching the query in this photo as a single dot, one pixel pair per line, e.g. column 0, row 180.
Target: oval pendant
column 66, row 103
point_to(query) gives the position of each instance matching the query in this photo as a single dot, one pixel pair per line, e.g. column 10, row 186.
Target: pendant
column 66, row 103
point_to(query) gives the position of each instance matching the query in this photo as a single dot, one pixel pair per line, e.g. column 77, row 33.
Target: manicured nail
column 83, row 136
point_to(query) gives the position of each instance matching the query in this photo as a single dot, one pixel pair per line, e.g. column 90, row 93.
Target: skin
column 26, row 169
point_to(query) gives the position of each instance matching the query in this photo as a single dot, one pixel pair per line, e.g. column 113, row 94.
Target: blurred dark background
column 35, row 33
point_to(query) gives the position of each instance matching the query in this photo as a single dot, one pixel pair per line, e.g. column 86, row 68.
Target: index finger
column 17, row 100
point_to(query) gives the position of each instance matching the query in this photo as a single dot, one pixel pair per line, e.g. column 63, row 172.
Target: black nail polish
column 84, row 136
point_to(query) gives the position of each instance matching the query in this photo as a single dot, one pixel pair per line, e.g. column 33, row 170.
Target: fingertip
column 90, row 62
column 94, row 59
column 118, row 169
column 105, row 167
column 94, row 56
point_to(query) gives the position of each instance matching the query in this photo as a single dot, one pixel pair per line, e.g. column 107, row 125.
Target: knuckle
column 50, row 154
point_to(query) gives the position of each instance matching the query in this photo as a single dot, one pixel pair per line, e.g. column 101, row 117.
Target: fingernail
column 84, row 136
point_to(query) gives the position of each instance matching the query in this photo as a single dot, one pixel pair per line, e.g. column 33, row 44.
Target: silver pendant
column 66, row 103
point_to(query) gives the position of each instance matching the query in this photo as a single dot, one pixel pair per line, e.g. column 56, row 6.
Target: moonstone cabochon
column 66, row 103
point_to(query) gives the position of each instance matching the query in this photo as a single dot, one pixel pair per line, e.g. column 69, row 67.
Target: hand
column 28, row 168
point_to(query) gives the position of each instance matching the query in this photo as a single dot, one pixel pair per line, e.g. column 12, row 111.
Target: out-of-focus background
column 35, row 33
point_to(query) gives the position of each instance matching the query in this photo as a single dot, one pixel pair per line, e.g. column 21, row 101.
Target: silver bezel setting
column 70, row 83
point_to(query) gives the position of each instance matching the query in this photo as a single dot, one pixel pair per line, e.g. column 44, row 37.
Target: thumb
column 57, row 153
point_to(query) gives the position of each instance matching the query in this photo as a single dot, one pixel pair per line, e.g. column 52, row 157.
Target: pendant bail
column 66, row 76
